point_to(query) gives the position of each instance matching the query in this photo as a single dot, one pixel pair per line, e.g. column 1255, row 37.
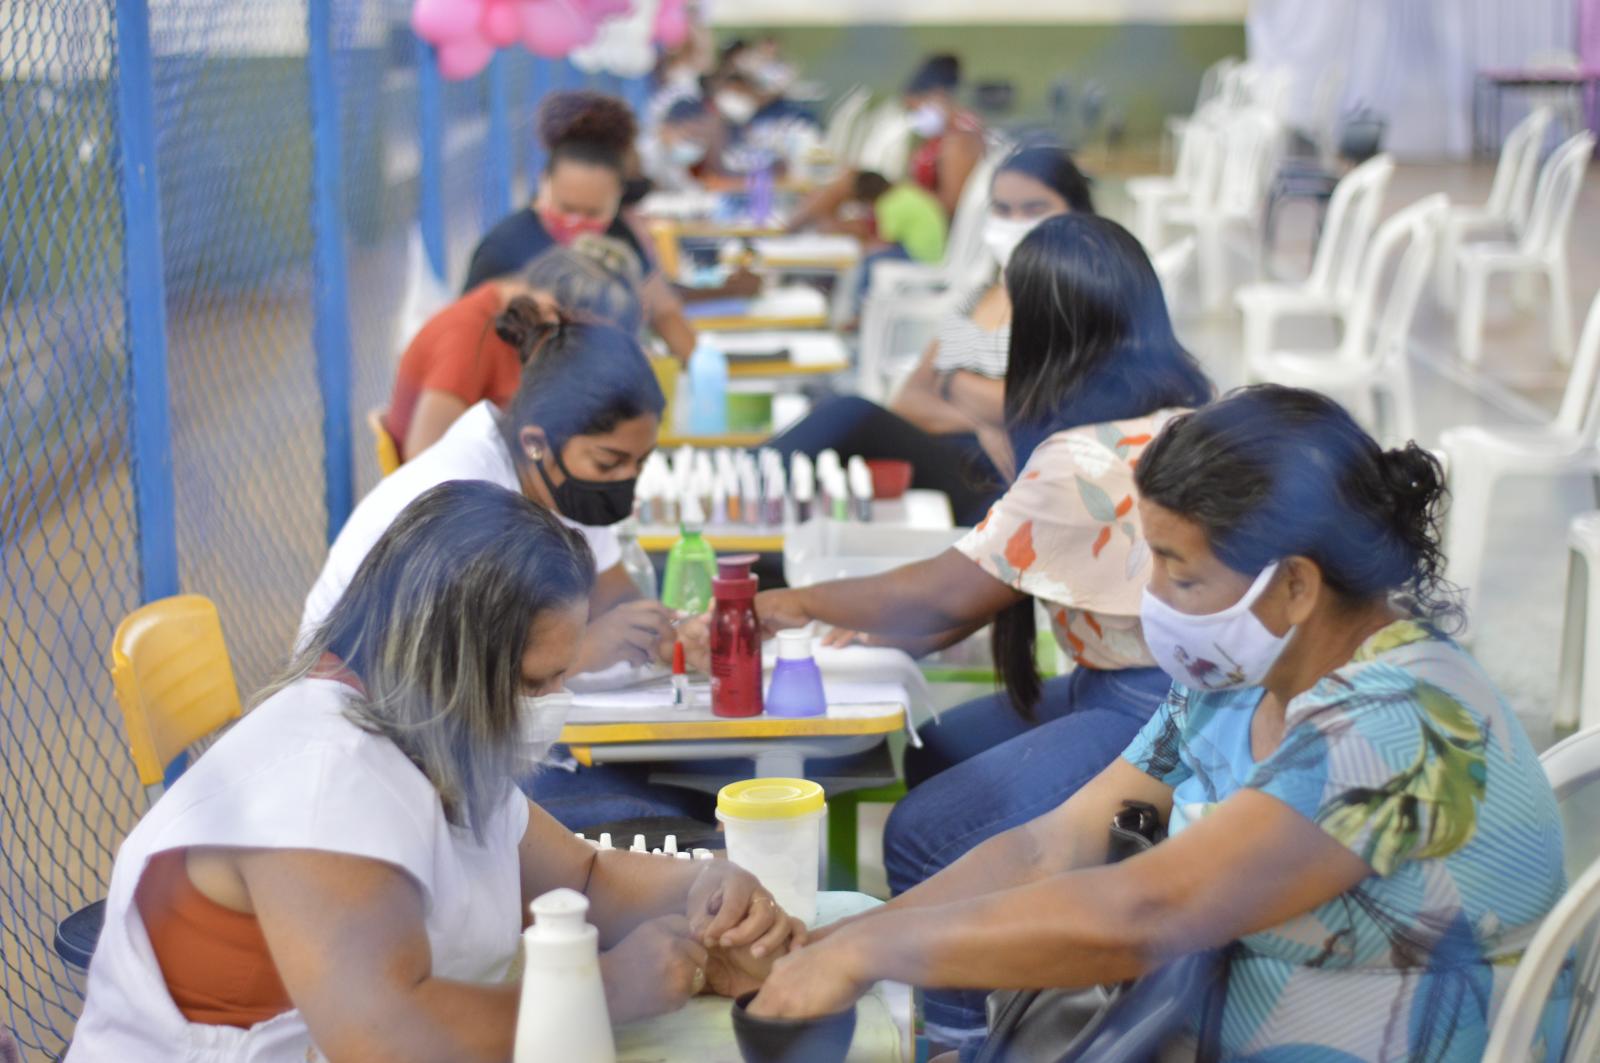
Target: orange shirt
column 456, row 352
column 214, row 960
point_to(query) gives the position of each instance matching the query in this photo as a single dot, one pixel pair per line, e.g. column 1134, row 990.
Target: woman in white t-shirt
column 343, row 875
column 573, row 439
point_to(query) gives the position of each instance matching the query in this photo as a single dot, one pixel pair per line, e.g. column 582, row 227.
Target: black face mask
column 592, row 502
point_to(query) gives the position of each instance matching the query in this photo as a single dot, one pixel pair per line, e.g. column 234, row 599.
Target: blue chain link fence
column 214, row 217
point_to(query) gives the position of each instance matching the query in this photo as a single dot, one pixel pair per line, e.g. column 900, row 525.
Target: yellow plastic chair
column 174, row 683
column 173, row 680
column 383, row 443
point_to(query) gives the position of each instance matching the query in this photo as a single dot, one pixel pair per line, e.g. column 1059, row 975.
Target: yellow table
column 752, row 542
column 780, row 746
column 748, row 323
column 670, row 440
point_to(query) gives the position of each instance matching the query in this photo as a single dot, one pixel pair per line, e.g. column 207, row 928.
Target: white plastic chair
column 1480, row 457
column 1505, row 212
column 886, row 145
column 965, row 261
column 426, row 293
column 1577, row 684
column 843, row 121
column 1542, row 249
column 1230, row 197
column 1210, row 88
column 1153, row 195
column 1330, row 288
column 1573, row 767
column 1370, row 360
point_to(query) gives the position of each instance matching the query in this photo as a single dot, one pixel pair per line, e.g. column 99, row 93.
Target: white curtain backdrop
column 1412, row 61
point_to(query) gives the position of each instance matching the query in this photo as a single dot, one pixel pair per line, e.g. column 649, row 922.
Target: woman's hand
column 729, row 909
column 631, row 632
column 819, row 979
column 735, row 972
column 780, row 610
column 654, row 970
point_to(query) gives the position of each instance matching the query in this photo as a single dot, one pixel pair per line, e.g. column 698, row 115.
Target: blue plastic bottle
column 708, row 390
column 796, row 687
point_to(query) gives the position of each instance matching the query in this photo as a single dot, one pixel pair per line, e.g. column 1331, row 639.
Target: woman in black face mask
column 572, row 439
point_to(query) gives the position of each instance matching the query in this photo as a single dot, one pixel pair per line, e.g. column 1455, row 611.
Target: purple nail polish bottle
column 796, row 687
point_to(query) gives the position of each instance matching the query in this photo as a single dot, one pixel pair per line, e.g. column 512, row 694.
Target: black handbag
column 1128, row 1023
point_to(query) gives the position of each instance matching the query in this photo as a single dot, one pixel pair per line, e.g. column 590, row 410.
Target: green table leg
column 844, row 825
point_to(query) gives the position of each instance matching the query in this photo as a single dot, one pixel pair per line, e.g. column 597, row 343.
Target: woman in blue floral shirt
column 1348, row 798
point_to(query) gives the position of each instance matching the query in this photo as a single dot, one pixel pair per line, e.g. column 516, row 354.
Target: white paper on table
column 617, row 677
column 789, row 301
column 793, row 248
column 805, row 348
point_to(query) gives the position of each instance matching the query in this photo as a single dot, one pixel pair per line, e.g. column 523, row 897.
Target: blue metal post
column 430, row 132
column 332, row 323
column 637, row 92
column 543, row 83
column 498, row 165
column 146, row 305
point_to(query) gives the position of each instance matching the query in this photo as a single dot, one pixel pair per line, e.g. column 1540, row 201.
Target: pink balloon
column 438, row 21
column 464, row 57
column 672, row 23
column 552, row 28
column 499, row 24
column 600, row 10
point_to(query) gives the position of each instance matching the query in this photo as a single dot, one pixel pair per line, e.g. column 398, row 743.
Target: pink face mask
column 564, row 228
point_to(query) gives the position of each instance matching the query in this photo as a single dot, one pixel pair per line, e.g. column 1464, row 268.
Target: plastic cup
column 773, row 829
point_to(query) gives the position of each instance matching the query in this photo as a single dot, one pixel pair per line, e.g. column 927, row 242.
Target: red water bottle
column 735, row 639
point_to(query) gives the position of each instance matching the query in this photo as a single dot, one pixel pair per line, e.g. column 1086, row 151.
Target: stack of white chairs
column 1478, row 458
column 1505, row 213
column 1211, row 86
column 965, row 261
column 1329, row 291
column 885, row 145
column 1370, row 365
column 1226, row 199
column 840, row 137
column 1578, row 680
column 1571, row 932
column 1541, row 250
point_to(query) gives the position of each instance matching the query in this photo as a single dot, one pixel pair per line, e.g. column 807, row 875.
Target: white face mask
column 686, row 153
column 1002, row 235
column 540, row 720
column 1214, row 651
column 928, row 120
column 736, row 107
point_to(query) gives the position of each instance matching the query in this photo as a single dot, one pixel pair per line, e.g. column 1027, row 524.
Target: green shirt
column 909, row 216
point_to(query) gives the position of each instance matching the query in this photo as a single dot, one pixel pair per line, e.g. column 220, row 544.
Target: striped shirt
column 963, row 344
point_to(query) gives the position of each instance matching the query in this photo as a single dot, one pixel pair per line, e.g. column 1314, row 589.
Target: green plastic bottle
column 691, row 565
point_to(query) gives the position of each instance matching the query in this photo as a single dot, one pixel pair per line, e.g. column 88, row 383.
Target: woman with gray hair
column 464, row 354
column 345, row 872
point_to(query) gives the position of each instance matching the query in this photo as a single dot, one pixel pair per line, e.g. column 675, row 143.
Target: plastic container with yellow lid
column 773, row 830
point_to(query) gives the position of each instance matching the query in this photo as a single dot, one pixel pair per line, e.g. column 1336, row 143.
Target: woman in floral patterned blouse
column 1092, row 373
column 1347, row 796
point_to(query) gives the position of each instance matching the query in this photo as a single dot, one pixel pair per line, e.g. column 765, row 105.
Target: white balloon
column 623, row 45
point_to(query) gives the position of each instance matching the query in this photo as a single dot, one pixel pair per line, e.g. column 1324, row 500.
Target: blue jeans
column 984, row 770
column 607, row 793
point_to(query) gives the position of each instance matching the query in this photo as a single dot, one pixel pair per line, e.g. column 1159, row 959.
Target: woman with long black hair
column 1094, row 371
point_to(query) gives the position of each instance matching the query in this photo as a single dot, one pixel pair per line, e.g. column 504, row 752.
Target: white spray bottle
column 563, row 1013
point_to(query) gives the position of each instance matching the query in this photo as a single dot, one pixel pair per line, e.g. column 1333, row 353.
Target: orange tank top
column 214, row 960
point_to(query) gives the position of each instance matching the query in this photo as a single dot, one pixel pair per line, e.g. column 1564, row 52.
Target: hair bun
column 526, row 326
column 589, row 118
column 1413, row 474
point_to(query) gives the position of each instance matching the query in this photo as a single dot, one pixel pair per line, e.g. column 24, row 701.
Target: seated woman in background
column 1347, row 795
column 460, row 357
column 343, row 875
column 942, row 418
column 589, row 137
column 681, row 152
column 572, row 440
column 950, row 143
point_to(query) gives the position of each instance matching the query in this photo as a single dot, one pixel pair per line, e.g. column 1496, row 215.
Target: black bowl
column 825, row 1039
